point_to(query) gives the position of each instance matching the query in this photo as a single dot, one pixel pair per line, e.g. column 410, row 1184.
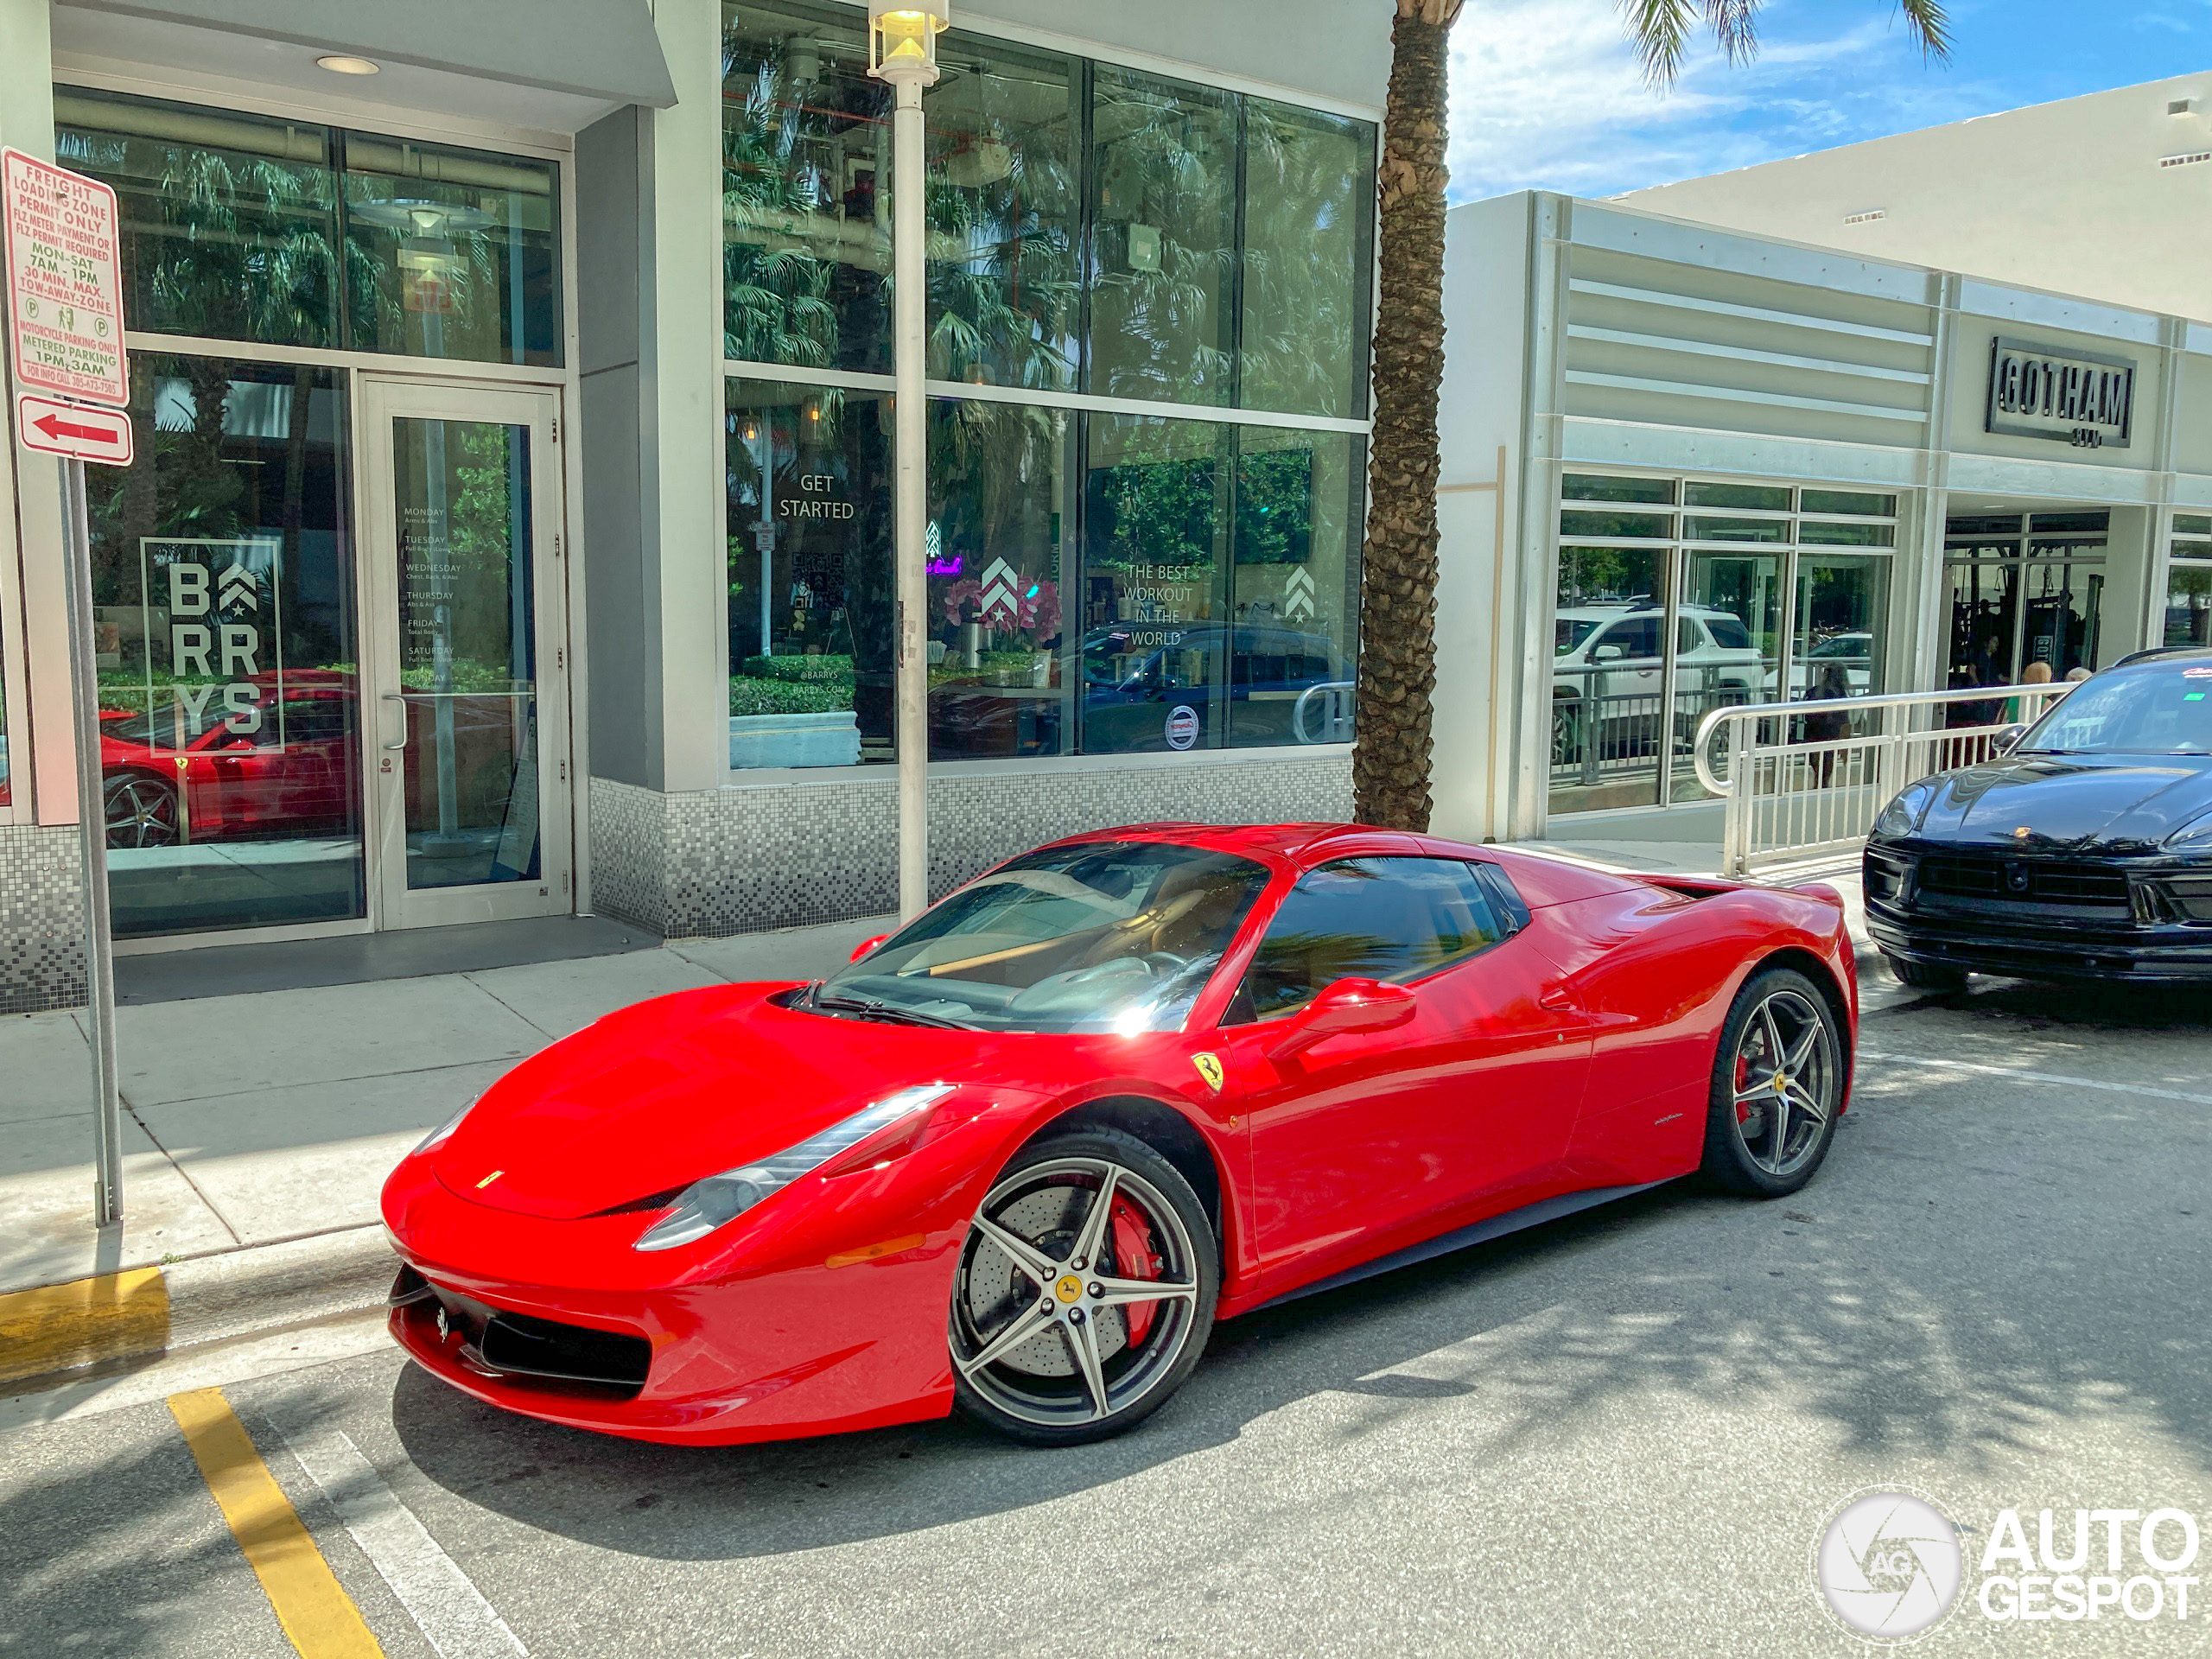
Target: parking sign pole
column 92, row 818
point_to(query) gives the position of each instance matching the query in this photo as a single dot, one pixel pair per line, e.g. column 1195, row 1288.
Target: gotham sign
column 2076, row 397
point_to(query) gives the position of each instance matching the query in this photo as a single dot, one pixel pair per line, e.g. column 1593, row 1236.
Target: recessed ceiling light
column 339, row 65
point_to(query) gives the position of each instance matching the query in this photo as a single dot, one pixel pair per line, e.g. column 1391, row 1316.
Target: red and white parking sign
column 79, row 431
column 65, row 281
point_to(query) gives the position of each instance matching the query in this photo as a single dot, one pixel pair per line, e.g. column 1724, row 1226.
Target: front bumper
column 777, row 1347
column 2149, row 938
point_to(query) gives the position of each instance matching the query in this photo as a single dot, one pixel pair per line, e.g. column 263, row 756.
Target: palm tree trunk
column 1397, row 622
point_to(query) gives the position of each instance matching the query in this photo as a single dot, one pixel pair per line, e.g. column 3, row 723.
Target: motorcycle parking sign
column 212, row 610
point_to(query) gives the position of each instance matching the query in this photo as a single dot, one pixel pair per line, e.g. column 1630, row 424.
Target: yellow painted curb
column 314, row 1608
column 110, row 1316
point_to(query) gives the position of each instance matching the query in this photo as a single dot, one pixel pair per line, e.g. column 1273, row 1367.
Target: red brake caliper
column 1133, row 1258
column 1743, row 1081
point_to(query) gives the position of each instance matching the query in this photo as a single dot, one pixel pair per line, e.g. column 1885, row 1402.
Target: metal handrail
column 1794, row 799
column 1337, row 721
column 2053, row 690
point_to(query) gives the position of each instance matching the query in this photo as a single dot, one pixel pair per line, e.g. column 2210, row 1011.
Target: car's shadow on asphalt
column 2034, row 1005
column 1873, row 1339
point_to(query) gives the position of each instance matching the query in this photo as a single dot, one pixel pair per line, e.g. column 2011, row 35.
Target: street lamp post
column 902, row 50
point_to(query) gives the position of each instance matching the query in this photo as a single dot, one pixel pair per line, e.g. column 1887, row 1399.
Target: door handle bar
column 399, row 698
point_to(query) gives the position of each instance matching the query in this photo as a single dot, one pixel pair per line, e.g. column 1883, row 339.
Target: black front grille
column 567, row 1353
column 2000, row 880
column 2191, row 896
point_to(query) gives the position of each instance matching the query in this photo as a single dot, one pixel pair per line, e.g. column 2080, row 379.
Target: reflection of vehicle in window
column 1132, row 672
column 296, row 772
column 1607, row 666
column 1852, row 652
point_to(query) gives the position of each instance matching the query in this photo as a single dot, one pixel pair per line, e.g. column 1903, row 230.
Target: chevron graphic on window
column 1298, row 598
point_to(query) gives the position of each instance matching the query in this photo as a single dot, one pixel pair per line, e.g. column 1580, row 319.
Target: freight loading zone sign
column 214, row 643
column 2075, row 397
column 65, row 298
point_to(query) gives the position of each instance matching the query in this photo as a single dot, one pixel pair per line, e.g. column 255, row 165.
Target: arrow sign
column 1298, row 596
column 77, row 430
column 238, row 586
column 1001, row 591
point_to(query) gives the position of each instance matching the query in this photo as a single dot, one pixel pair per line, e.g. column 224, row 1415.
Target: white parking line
column 453, row 1615
column 2023, row 1076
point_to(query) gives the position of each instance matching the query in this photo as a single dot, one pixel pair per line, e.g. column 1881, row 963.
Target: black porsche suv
column 2081, row 850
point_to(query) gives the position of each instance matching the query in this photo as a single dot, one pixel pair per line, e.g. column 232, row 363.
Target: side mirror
column 2006, row 739
column 1607, row 654
column 1347, row 1007
column 867, row 947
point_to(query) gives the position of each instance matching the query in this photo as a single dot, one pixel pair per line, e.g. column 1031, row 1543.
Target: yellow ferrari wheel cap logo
column 488, row 1179
column 1209, row 1068
column 1069, row 1290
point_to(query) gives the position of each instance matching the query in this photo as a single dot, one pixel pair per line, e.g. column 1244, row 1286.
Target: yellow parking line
column 314, row 1608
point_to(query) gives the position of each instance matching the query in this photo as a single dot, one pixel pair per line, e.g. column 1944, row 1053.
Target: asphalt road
column 1617, row 1434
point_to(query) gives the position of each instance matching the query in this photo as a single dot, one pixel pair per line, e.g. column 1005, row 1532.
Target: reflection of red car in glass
column 297, row 774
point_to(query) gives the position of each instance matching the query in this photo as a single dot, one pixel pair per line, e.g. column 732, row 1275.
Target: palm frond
column 1735, row 26
column 1660, row 32
column 1930, row 26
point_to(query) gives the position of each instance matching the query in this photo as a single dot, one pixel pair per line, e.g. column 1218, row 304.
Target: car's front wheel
column 1085, row 1291
column 1778, row 1083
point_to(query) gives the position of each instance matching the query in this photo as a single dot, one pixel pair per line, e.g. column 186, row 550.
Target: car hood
column 2114, row 804
column 654, row 1097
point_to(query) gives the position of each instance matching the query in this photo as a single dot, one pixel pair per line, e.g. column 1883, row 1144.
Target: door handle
column 395, row 696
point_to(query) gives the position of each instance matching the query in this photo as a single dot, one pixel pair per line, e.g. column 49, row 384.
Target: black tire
column 1567, row 731
column 141, row 809
column 1926, row 975
column 1760, row 1139
column 1096, row 1360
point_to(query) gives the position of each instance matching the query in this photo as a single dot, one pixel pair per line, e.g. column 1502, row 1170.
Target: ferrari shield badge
column 1209, row 1068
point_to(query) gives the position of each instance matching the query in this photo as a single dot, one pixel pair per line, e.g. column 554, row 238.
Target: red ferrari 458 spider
column 1019, row 1157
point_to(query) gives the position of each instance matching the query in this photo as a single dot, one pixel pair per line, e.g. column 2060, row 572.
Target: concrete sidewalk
column 258, row 1127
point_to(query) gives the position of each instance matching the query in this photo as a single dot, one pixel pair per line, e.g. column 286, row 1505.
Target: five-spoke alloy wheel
column 1778, row 1082
column 1085, row 1291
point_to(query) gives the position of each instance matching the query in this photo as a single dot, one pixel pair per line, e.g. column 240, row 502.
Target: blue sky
column 1545, row 94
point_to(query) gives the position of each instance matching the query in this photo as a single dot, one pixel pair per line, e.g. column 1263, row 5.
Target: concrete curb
column 143, row 1311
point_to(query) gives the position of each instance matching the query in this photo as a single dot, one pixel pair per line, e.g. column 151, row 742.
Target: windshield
column 1113, row 936
column 2160, row 709
column 1573, row 631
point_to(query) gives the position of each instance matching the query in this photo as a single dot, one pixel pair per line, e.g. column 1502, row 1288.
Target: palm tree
column 1397, row 649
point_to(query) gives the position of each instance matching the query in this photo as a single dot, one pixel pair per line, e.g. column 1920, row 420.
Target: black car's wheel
column 1926, row 975
column 1085, row 1291
column 1567, row 731
column 142, row 812
column 1777, row 1082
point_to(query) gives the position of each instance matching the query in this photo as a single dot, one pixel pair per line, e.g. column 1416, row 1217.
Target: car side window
column 1687, row 638
column 1389, row 918
column 1634, row 637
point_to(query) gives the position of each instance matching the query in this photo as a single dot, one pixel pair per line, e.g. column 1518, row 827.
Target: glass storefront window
column 806, row 185
column 236, row 226
column 1607, row 666
column 1758, row 497
column 1828, row 535
column 1609, row 525
column 1163, row 161
column 451, row 253
column 1595, row 486
column 1004, row 209
column 2188, row 601
column 1839, row 632
column 1154, row 591
column 2193, row 523
column 1309, row 194
column 1854, row 502
column 1696, row 529
column 228, row 658
column 811, row 619
column 230, row 221
column 1000, row 685
column 1293, row 584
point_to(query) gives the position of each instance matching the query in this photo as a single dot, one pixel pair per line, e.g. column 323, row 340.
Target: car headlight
column 443, row 1132
column 1901, row 815
column 720, row 1199
column 2194, row 836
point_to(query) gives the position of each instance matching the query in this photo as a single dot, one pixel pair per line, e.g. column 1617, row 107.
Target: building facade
column 1686, row 469
column 511, row 535
column 2109, row 193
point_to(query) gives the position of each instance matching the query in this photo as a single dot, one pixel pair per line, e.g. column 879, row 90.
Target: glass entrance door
column 469, row 722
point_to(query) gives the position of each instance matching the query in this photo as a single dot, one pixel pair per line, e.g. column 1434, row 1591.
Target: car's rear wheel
column 1777, row 1085
column 1085, row 1291
column 1926, row 975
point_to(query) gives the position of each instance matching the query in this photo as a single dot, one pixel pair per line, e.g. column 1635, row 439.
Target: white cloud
column 1548, row 94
